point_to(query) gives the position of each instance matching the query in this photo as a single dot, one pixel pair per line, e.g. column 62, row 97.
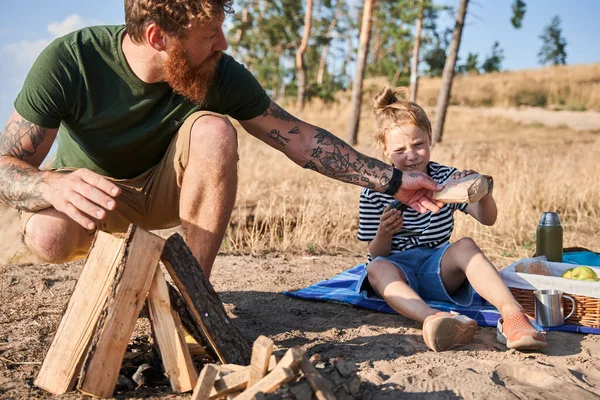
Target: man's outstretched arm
column 315, row 148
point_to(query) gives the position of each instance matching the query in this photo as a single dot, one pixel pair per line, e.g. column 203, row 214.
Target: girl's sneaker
column 443, row 331
column 517, row 332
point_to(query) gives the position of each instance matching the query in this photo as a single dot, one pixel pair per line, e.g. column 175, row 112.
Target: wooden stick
column 261, row 355
column 203, row 302
column 230, row 383
column 269, row 383
column 272, row 362
column 135, row 273
column 292, row 358
column 206, row 382
column 320, row 385
column 68, row 349
column 170, row 338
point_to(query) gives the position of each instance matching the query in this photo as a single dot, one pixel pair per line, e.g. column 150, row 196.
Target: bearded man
column 144, row 136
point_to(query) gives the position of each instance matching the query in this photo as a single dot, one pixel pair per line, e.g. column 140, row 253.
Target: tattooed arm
column 23, row 147
column 317, row 149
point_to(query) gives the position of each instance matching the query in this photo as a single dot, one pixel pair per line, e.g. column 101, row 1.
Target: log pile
column 294, row 377
column 119, row 277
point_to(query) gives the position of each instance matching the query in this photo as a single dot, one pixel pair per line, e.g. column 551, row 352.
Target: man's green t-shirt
column 112, row 122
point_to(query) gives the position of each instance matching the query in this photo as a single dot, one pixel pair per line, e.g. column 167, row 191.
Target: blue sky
column 27, row 26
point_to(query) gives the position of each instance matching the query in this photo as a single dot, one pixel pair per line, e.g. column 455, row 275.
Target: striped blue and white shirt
column 429, row 229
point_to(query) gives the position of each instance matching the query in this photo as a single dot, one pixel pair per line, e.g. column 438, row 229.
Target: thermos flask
column 549, row 238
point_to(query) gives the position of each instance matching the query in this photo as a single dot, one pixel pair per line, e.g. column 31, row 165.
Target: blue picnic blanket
column 344, row 288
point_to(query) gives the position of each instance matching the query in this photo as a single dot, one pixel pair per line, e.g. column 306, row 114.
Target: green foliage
column 493, row 63
column 518, row 8
column 391, row 38
column 435, row 55
column 553, row 50
column 470, row 66
column 531, row 98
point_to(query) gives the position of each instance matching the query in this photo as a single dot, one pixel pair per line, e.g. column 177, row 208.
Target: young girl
column 409, row 253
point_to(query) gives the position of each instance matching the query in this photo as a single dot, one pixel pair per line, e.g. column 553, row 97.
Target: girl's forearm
column 381, row 245
column 488, row 211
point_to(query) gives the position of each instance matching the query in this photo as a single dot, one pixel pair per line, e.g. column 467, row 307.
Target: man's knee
column 216, row 136
column 52, row 238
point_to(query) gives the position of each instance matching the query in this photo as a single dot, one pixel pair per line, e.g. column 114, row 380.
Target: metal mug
column 549, row 309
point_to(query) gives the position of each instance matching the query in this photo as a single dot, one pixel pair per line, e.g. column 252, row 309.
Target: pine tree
column 518, row 9
column 494, row 62
column 554, row 45
column 471, row 65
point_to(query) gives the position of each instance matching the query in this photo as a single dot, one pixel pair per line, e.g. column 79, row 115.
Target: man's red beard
column 192, row 82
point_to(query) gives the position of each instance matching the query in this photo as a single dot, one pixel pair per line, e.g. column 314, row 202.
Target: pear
column 582, row 273
column 567, row 274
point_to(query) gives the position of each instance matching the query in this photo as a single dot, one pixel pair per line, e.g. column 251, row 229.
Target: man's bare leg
column 209, row 187
column 55, row 238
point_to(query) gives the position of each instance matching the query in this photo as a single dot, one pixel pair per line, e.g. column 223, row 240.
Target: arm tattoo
column 20, row 182
column 21, row 138
column 334, row 158
column 279, row 113
column 19, row 187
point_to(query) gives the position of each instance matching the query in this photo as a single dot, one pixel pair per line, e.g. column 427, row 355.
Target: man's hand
column 80, row 194
column 416, row 190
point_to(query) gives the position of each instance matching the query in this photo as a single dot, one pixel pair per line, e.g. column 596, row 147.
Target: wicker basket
column 587, row 309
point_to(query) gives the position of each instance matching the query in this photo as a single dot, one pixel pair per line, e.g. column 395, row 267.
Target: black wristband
column 394, row 183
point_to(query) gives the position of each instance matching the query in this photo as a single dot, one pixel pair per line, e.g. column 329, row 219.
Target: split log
column 292, row 359
column 65, row 356
column 269, row 383
column 230, row 383
column 320, row 385
column 189, row 324
column 134, row 274
column 204, row 304
column 170, row 338
column 206, row 382
column 261, row 355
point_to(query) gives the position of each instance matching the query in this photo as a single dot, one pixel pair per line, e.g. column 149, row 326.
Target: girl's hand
column 466, row 172
column 391, row 220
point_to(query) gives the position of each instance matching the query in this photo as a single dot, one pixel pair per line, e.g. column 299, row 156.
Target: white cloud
column 69, row 24
column 25, row 52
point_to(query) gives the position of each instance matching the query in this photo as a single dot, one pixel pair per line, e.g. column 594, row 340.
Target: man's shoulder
column 93, row 34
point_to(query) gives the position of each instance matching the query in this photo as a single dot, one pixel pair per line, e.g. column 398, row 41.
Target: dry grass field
column 572, row 87
column 283, row 208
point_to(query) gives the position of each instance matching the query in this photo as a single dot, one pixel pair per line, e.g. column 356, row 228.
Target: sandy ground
column 388, row 350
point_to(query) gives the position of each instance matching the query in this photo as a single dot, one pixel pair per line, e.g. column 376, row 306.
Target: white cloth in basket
column 520, row 280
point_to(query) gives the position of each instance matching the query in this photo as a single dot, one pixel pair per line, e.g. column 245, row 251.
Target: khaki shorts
column 150, row 200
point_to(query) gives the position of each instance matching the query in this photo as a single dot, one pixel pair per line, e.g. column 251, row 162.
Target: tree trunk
column 329, row 35
column 348, row 58
column 414, row 68
column 448, row 74
column 239, row 34
column 300, row 56
column 361, row 60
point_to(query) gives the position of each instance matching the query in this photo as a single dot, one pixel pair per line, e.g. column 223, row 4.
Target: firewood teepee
column 121, row 273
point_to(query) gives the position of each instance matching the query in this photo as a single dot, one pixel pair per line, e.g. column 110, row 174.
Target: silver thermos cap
column 549, row 219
